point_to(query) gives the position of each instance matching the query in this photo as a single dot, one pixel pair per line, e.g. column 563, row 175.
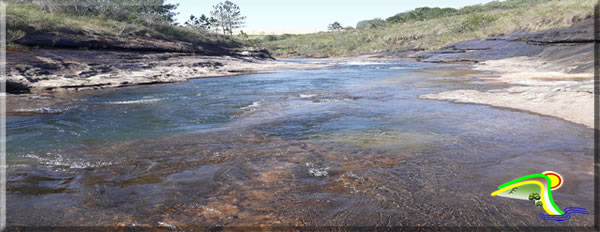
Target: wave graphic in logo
column 565, row 217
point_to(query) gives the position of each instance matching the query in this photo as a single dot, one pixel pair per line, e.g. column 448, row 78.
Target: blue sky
column 312, row 14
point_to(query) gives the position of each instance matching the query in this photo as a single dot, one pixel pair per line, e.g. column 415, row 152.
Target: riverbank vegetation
column 432, row 28
column 225, row 15
column 114, row 20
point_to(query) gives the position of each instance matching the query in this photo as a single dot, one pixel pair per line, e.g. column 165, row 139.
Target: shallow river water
column 349, row 144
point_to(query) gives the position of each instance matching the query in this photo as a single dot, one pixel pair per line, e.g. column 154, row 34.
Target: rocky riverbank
column 562, row 95
column 43, row 78
column 63, row 58
column 552, row 71
column 52, row 70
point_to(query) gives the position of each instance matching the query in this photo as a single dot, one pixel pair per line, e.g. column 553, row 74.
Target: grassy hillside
column 480, row 21
column 25, row 20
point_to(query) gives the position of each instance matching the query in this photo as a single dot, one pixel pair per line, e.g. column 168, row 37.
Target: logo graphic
column 538, row 188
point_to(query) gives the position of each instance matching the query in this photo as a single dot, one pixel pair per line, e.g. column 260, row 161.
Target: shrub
column 475, row 21
column 490, row 19
column 539, row 204
column 421, row 13
column 270, row 38
column 28, row 18
column 373, row 23
column 285, row 36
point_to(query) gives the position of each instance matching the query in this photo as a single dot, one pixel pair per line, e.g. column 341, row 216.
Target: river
column 349, row 144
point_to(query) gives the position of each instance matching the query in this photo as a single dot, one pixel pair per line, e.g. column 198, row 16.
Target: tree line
column 225, row 16
column 144, row 11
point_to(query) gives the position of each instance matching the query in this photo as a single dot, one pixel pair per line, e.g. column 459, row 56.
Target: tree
column 534, row 196
column 228, row 16
column 202, row 22
column 243, row 35
column 214, row 23
column 335, row 26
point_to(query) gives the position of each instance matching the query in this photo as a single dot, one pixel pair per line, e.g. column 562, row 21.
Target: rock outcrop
column 563, row 49
column 52, row 61
column 551, row 72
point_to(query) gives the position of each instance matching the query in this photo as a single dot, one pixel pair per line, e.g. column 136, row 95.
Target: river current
column 349, row 144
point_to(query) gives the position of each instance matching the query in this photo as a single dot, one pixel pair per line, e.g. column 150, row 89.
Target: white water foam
column 141, row 101
column 402, row 68
column 167, row 225
column 336, row 99
column 209, row 209
column 60, row 161
column 42, row 110
column 255, row 104
column 363, row 63
column 316, row 171
column 307, row 95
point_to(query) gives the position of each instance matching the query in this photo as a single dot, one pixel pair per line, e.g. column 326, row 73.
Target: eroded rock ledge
column 47, row 61
column 48, row 70
column 552, row 71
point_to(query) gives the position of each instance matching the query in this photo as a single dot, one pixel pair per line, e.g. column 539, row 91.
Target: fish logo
column 538, row 188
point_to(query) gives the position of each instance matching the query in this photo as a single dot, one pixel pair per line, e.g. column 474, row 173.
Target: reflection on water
column 348, row 145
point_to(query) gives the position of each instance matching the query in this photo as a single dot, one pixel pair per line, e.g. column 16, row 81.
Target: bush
column 421, row 13
column 433, row 34
column 373, row 23
column 23, row 19
column 496, row 5
column 285, row 36
column 534, row 196
column 270, row 38
column 121, row 10
column 475, row 21
column 539, row 204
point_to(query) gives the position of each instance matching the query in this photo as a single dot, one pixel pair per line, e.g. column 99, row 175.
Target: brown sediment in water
column 237, row 177
column 243, row 175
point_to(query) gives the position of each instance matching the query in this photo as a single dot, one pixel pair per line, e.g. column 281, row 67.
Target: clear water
column 341, row 98
column 350, row 144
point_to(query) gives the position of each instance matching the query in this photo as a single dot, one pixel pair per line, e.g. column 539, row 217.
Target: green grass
column 434, row 33
column 26, row 19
